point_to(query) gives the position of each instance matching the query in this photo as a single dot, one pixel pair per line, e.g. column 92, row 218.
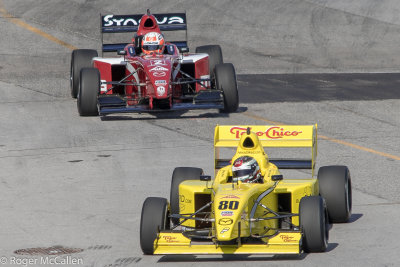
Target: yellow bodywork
column 232, row 202
column 177, row 243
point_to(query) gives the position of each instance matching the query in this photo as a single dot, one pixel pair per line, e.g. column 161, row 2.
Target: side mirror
column 183, row 49
column 205, row 178
column 121, row 53
column 277, row 177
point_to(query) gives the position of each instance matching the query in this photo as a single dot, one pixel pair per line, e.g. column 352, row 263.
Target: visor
column 241, row 173
column 152, row 47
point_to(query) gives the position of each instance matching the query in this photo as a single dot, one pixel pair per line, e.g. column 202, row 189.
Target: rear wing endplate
column 284, row 136
column 130, row 23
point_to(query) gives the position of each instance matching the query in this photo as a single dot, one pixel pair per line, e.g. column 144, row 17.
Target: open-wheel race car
column 249, row 207
column 151, row 74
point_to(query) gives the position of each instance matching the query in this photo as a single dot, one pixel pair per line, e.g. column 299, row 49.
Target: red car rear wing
column 130, row 23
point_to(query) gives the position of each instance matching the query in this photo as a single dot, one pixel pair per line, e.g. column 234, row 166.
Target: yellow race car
column 249, row 207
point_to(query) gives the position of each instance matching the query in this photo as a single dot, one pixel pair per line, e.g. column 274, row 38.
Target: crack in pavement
column 134, row 148
column 209, row 140
column 29, row 89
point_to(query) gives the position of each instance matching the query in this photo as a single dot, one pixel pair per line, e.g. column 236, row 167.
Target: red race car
column 150, row 74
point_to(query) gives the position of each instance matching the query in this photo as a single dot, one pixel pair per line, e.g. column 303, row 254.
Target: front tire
column 179, row 175
column 154, row 218
column 80, row 58
column 88, row 92
column 225, row 76
column 314, row 224
column 335, row 187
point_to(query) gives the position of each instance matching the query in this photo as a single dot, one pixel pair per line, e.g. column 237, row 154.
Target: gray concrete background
column 80, row 182
column 257, row 36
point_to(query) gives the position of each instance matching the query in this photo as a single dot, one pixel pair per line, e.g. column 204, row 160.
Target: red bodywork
column 151, row 77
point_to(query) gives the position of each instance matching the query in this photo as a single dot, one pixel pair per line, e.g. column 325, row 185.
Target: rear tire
column 214, row 57
column 80, row 58
column 225, row 76
column 154, row 218
column 179, row 175
column 335, row 188
column 314, row 224
column 88, row 92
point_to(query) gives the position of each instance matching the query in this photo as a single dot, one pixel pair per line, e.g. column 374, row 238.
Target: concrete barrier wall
column 273, row 36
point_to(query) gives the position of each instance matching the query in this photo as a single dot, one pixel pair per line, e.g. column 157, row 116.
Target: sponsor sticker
column 232, row 196
column 288, row 238
column 133, row 20
column 249, row 152
column 160, row 82
column 226, row 213
column 182, row 198
column 170, row 239
column 103, row 86
column 159, row 74
column 158, row 68
column 160, row 90
column 226, row 229
column 225, row 221
column 271, row 133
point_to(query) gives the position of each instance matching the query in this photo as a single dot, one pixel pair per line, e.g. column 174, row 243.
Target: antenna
column 248, row 131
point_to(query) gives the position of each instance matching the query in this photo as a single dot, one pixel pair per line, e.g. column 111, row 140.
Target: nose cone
column 159, row 73
column 228, row 209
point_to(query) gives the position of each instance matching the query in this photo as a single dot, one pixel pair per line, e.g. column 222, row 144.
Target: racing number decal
column 232, row 205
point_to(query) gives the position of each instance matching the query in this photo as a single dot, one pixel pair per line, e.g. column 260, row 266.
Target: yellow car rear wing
column 296, row 136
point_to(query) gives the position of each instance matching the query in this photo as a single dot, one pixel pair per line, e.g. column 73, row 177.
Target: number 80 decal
column 232, row 205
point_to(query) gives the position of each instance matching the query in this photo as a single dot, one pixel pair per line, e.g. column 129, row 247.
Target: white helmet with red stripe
column 153, row 42
column 246, row 169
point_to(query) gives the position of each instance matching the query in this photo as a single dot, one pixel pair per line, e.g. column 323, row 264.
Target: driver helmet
column 246, row 170
column 153, row 42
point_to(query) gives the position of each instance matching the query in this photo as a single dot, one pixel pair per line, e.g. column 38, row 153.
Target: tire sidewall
column 154, row 218
column 226, row 82
column 334, row 184
column 314, row 223
column 89, row 88
column 80, row 58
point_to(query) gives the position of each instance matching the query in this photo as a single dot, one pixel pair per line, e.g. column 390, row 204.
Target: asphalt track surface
column 80, row 182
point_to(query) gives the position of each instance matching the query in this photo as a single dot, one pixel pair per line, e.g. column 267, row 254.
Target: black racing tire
column 89, row 87
column 154, row 218
column 335, row 187
column 179, row 175
column 225, row 76
column 80, row 58
column 214, row 57
column 314, row 224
